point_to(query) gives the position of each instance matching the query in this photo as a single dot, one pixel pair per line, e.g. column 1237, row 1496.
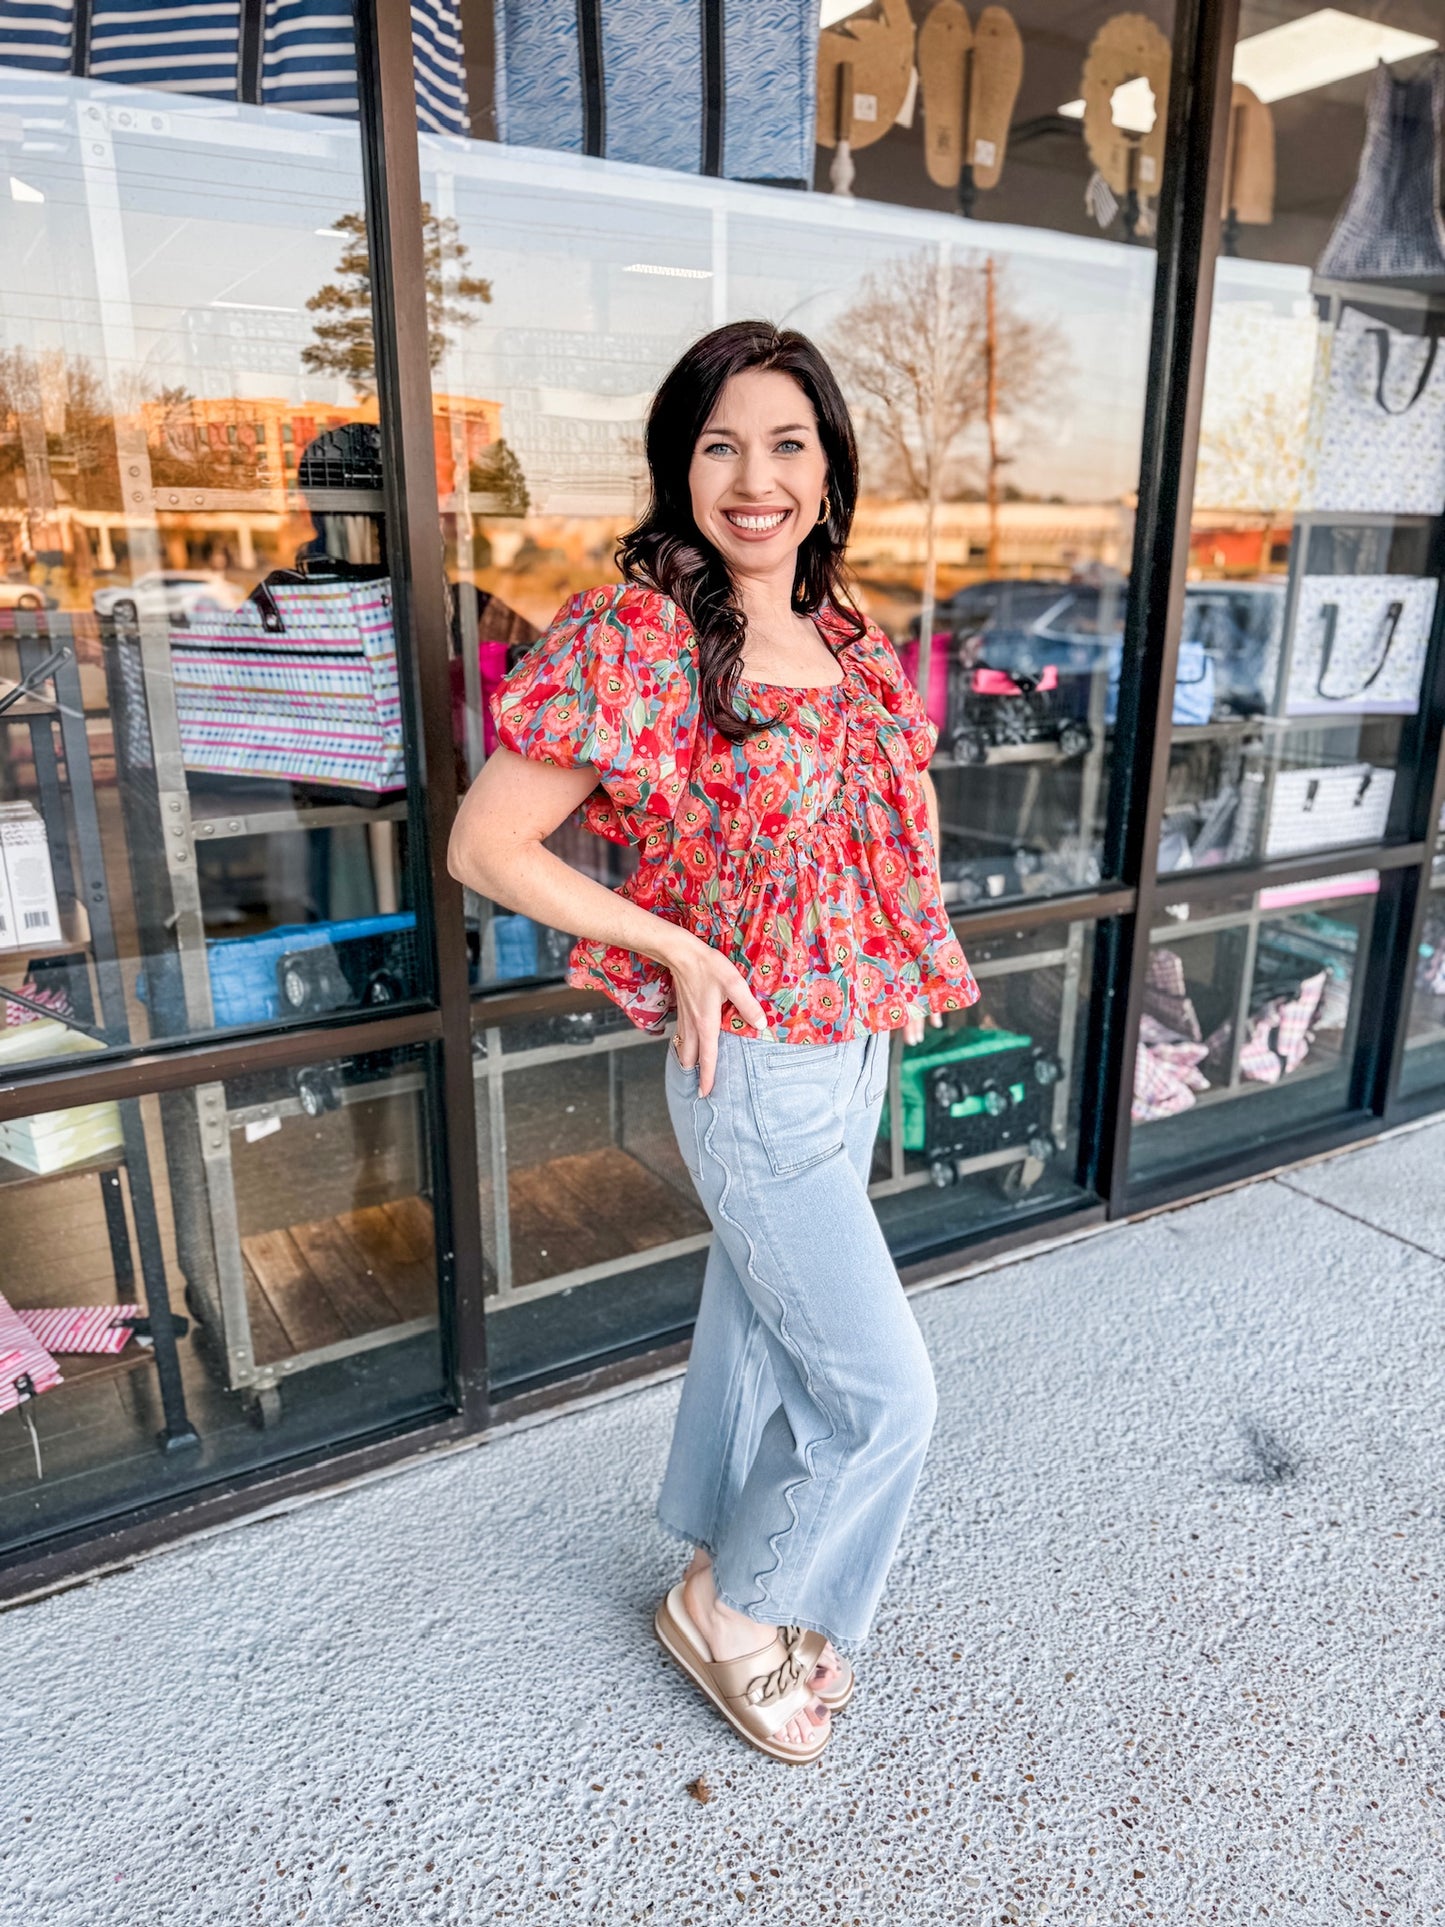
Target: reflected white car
column 25, row 595
column 178, row 595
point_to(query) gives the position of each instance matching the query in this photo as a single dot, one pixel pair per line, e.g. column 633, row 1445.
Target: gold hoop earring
column 824, row 512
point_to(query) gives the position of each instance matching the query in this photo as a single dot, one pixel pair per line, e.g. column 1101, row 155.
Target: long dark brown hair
column 667, row 551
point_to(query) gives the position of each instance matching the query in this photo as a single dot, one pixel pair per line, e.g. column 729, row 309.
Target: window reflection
column 1312, row 599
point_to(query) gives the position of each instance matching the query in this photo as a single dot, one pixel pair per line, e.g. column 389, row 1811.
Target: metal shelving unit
column 170, row 816
column 45, row 648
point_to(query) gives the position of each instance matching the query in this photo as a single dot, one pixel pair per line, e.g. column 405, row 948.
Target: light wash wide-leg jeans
column 809, row 1400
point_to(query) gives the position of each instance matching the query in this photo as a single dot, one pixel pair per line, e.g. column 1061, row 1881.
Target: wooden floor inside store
column 590, row 1208
column 317, row 1284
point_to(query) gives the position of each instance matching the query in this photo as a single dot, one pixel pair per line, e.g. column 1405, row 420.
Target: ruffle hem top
column 802, row 853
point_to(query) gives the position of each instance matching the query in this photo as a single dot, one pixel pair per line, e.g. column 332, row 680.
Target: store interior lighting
column 1301, row 55
column 1319, row 49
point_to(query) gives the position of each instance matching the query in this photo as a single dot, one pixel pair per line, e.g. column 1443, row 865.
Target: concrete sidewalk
column 1164, row 1641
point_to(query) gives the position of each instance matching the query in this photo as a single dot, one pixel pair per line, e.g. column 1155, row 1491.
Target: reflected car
column 25, row 595
column 178, row 595
column 1027, row 653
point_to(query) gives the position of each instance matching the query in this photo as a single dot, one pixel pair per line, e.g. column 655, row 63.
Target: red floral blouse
column 802, row 853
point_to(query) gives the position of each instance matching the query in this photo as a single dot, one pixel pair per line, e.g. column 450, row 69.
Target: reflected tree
column 345, row 338
column 939, row 361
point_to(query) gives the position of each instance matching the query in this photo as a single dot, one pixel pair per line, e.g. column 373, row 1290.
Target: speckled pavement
column 1164, row 1641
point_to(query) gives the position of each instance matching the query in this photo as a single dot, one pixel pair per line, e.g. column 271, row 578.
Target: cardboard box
column 35, row 914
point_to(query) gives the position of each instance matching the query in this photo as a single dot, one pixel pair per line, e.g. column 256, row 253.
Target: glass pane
column 997, row 506
column 595, row 1239
column 1251, row 1011
column 202, row 771
column 584, row 239
column 1423, row 1068
column 601, row 1244
column 1314, row 547
column 980, row 1131
column 285, row 1219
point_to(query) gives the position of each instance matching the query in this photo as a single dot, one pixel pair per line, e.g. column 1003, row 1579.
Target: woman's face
column 758, row 473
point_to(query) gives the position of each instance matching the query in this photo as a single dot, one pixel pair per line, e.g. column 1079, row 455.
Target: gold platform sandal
column 811, row 1645
column 757, row 1694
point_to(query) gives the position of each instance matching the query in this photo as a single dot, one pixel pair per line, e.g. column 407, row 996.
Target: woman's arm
column 498, row 849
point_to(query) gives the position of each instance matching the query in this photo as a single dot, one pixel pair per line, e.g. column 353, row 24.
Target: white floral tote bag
column 1360, row 643
column 1379, row 428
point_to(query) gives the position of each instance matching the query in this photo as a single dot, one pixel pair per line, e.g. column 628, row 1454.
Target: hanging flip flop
column 757, row 1694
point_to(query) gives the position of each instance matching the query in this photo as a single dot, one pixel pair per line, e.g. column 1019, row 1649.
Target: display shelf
column 218, row 823
column 1329, row 1060
column 16, row 1177
column 45, row 653
column 603, row 1210
column 75, row 934
column 1245, row 727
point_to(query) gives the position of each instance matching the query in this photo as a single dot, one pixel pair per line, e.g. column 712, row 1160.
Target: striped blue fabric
column 189, row 48
column 193, row 47
column 35, row 35
column 309, row 60
column 652, row 81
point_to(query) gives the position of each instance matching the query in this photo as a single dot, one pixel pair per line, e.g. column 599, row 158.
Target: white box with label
column 9, row 935
column 35, row 915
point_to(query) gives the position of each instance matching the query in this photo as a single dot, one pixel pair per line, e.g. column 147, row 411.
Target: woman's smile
column 756, row 524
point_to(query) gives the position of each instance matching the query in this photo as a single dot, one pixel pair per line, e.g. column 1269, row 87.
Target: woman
column 727, row 710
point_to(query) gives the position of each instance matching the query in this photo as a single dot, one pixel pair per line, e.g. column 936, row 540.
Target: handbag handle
column 265, row 602
column 1189, row 682
column 1382, row 356
column 1330, row 615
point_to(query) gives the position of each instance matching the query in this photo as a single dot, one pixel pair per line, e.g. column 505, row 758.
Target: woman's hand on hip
column 704, row 980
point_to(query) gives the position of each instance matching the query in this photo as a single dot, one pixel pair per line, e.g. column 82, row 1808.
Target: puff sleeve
column 613, row 682
column 892, row 687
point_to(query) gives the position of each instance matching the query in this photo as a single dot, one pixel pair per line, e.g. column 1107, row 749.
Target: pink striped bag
column 81, row 1328
column 26, row 1368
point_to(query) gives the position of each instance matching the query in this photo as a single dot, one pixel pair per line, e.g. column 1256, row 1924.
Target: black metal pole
column 1188, row 239
column 414, row 544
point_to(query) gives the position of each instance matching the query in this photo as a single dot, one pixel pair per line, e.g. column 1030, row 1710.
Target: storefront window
column 596, row 1236
column 1252, row 1008
column 971, row 244
column 281, row 1221
column 1423, row 1068
column 1312, row 591
column 203, row 769
column 201, row 742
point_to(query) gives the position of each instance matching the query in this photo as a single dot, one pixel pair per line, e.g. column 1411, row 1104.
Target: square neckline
column 807, row 688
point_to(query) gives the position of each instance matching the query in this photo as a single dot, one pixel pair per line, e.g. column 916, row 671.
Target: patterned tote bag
column 299, row 684
column 699, row 86
column 1360, row 643
column 1378, row 443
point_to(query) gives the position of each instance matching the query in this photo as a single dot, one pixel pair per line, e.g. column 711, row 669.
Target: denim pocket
column 880, row 1056
column 680, row 1088
column 794, row 1091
